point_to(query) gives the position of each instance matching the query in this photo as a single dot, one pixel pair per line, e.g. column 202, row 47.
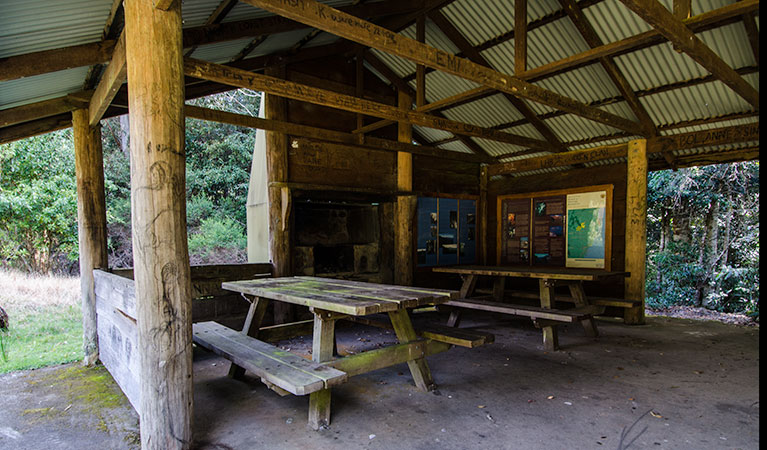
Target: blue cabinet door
column 448, row 231
column 426, row 242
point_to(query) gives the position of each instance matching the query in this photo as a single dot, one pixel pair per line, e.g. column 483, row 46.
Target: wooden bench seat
column 533, row 312
column 599, row 301
column 440, row 333
column 275, row 367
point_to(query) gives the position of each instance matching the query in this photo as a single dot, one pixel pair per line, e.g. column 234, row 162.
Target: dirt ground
column 672, row 383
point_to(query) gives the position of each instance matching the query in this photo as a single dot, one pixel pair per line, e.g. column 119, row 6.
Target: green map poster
column 585, row 231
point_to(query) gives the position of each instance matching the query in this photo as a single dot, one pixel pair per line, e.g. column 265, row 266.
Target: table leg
column 589, row 325
column 419, row 369
column 467, row 289
column 250, row 328
column 550, row 338
column 499, row 284
column 322, row 351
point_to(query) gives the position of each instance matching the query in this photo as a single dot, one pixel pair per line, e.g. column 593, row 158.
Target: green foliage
column 38, row 202
column 43, row 336
column 215, row 234
column 703, row 237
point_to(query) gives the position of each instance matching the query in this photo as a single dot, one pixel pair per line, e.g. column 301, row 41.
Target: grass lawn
column 45, row 320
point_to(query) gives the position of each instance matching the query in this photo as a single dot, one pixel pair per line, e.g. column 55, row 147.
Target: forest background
column 703, row 222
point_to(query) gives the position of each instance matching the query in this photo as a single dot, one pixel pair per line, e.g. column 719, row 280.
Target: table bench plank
column 558, row 315
column 283, row 369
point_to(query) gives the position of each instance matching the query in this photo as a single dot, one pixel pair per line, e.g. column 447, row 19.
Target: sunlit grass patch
column 45, row 322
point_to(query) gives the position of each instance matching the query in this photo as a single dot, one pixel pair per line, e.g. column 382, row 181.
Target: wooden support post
column 158, row 200
column 322, row 351
column 419, row 369
column 550, row 336
column 405, row 213
column 636, row 229
column 482, row 213
column 279, row 196
column 91, row 222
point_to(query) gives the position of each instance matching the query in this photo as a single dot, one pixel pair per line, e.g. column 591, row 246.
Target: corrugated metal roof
column 34, row 25
column 28, row 26
column 486, row 112
column 41, row 87
column 456, row 146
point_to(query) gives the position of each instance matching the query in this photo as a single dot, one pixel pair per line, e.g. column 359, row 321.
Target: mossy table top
column 341, row 296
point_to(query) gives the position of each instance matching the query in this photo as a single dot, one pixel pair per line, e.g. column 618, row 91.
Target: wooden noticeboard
column 540, row 229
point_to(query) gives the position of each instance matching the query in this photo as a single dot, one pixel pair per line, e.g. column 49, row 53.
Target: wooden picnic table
column 330, row 300
column 548, row 277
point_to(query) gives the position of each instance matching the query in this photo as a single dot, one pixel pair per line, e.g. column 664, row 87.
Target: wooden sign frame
column 608, row 188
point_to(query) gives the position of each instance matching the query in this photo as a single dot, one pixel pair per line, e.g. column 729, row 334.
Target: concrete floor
column 673, row 383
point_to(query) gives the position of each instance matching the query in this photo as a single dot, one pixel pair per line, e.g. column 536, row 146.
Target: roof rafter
column 661, row 144
column 114, row 76
column 349, row 27
column 401, row 85
column 215, row 17
column 322, row 134
column 295, row 91
column 654, row 13
column 460, row 41
column 593, row 40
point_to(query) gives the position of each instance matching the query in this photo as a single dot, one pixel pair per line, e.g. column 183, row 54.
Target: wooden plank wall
column 436, row 175
column 118, row 332
column 564, row 180
column 333, row 165
column 116, row 309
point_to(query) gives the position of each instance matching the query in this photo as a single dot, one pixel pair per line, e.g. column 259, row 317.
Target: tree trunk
column 709, row 253
column 727, row 230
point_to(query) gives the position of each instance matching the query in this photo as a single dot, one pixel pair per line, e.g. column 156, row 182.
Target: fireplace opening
column 337, row 238
column 335, row 259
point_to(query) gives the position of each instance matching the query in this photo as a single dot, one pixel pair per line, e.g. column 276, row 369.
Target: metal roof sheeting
column 34, row 25
column 41, row 87
column 28, row 26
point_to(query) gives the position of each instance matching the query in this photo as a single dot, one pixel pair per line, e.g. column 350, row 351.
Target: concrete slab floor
column 673, row 383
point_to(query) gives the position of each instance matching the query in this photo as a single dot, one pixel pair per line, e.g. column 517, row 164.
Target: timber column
column 276, row 108
column 636, row 229
column 91, row 222
column 158, row 209
column 482, row 219
column 405, row 211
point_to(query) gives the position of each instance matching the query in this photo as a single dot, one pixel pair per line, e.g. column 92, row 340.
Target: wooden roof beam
column 30, row 64
column 321, row 134
column 593, row 40
column 349, row 27
column 654, row 13
column 114, row 76
column 215, row 32
column 662, row 144
column 520, row 36
column 753, row 34
column 43, row 109
column 460, row 41
column 295, row 91
column 445, row 103
column 656, row 90
column 36, row 127
column 113, row 26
